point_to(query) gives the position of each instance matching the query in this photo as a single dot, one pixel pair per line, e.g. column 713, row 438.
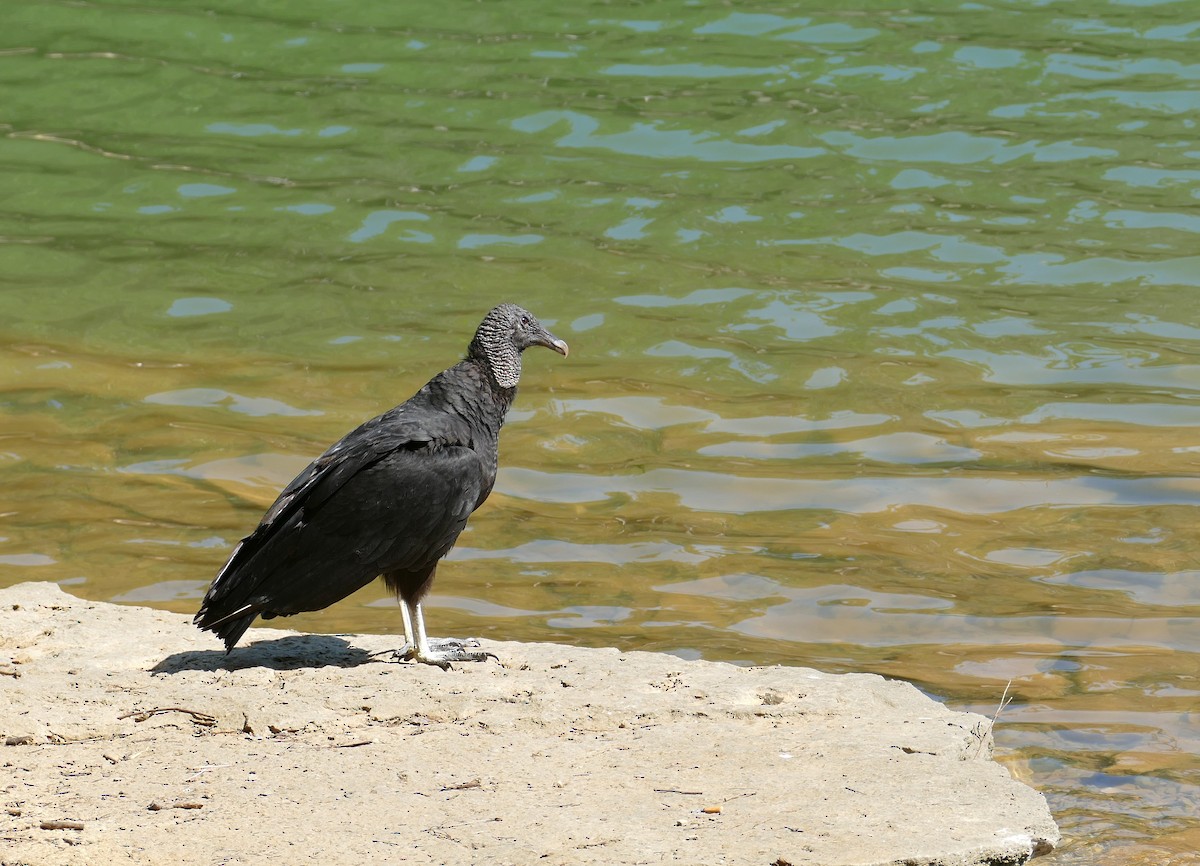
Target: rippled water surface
column 883, row 323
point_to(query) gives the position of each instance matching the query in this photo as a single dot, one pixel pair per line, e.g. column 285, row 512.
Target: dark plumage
column 388, row 499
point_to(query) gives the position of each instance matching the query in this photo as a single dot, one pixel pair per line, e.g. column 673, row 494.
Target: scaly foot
column 442, row 651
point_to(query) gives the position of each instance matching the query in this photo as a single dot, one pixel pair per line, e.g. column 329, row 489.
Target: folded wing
column 391, row 496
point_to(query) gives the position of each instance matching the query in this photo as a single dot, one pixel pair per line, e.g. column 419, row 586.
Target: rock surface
column 130, row 737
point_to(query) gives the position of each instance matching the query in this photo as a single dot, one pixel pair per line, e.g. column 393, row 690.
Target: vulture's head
column 506, row 332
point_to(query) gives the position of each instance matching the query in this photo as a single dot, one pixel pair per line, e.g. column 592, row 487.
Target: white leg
column 408, row 630
column 438, row 652
column 422, row 641
column 409, row 649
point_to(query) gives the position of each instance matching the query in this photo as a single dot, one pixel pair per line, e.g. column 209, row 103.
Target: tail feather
column 225, row 609
column 228, row 626
column 232, row 630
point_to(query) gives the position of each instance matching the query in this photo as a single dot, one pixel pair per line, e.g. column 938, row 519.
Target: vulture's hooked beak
column 545, row 338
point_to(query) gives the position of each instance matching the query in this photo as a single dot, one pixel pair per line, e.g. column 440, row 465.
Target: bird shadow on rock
column 281, row 654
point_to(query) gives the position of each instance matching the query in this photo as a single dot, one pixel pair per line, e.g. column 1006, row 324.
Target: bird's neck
column 483, row 405
column 501, row 358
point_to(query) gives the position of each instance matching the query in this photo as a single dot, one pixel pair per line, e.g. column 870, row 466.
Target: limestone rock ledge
column 129, row 737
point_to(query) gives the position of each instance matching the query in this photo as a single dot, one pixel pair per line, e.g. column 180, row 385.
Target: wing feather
column 395, row 492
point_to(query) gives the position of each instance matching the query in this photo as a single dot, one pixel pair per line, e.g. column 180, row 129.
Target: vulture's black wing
column 392, row 495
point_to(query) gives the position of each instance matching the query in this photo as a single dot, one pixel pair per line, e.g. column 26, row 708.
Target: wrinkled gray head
column 504, row 333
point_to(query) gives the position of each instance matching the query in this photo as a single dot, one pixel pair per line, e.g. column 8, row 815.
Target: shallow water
column 884, row 348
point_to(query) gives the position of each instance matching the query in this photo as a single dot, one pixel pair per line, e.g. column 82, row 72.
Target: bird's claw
column 442, row 658
column 442, row 652
column 452, row 643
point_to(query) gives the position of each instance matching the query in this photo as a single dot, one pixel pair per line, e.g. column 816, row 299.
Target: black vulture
column 387, row 499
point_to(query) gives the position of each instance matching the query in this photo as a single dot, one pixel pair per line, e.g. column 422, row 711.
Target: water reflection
column 710, row 491
column 652, row 140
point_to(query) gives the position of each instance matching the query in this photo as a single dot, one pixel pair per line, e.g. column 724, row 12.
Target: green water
column 884, row 341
